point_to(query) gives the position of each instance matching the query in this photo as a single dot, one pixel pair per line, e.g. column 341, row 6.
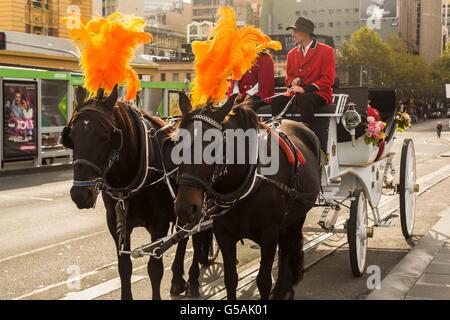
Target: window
column 176, row 77
column 193, row 30
column 280, row 26
column 331, row 24
column 331, row 11
column 321, row 25
column 188, row 76
column 305, row 13
column 338, row 24
column 163, row 77
column 297, row 13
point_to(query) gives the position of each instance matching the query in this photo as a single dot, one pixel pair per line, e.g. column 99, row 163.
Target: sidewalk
column 424, row 273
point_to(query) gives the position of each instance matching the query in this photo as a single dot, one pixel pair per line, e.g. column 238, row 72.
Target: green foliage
column 376, row 62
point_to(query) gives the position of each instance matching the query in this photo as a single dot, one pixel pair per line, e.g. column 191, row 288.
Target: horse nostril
column 193, row 213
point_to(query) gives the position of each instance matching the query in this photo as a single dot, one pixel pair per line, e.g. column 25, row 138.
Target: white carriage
column 358, row 173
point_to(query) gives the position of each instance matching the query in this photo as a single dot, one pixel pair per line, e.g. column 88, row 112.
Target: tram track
column 247, row 275
column 328, row 244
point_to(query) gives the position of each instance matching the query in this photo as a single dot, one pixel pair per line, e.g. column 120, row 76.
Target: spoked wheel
column 357, row 233
column 211, row 253
column 407, row 188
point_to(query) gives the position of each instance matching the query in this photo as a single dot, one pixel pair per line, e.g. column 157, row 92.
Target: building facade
column 423, row 27
column 423, row 24
column 205, row 10
column 338, row 19
column 175, row 19
column 41, row 17
column 166, row 42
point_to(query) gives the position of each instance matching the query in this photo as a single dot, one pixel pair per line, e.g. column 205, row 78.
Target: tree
column 365, row 56
column 409, row 73
column 440, row 74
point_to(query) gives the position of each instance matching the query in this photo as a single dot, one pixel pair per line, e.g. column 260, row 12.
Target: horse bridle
column 220, row 200
column 116, row 147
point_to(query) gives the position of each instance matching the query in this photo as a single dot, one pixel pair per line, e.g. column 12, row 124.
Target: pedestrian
column 439, row 130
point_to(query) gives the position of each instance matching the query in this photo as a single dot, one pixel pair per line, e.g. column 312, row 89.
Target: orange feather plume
column 230, row 52
column 107, row 47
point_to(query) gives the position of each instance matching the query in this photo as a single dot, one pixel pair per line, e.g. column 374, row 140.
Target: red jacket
column 317, row 70
column 263, row 72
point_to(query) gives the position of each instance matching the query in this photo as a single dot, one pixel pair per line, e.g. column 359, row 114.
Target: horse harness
column 148, row 167
column 223, row 203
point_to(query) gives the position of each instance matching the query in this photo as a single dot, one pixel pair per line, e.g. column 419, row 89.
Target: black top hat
column 303, row 24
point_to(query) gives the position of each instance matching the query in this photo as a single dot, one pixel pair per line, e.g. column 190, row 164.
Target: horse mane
column 124, row 120
column 245, row 116
column 243, row 113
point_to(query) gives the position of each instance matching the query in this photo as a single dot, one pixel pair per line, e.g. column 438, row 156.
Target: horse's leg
column 228, row 248
column 193, row 287
column 290, row 262
column 124, row 260
column 178, row 285
column 284, row 270
column 264, row 278
column 155, row 266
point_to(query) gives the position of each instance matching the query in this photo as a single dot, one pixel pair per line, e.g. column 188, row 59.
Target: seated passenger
column 258, row 82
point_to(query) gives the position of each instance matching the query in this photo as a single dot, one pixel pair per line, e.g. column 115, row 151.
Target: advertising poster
column 378, row 9
column 19, row 120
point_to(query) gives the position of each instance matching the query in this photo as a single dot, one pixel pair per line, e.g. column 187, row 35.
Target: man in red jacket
column 310, row 76
column 258, row 82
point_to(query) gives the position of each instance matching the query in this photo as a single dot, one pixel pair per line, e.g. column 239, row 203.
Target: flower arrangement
column 402, row 121
column 375, row 131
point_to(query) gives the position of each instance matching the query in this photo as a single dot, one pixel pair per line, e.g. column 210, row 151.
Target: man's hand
column 297, row 89
column 295, row 82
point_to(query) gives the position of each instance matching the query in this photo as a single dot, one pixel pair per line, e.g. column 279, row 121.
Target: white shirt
column 250, row 92
column 305, row 49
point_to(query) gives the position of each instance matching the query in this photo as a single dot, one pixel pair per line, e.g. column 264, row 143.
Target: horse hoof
column 283, row 295
column 178, row 287
column 192, row 291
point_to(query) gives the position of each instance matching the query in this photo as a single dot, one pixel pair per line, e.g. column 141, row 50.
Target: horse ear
column 185, row 103
column 110, row 102
column 222, row 112
column 80, row 95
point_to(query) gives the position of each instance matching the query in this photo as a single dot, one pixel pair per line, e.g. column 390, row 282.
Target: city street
column 46, row 240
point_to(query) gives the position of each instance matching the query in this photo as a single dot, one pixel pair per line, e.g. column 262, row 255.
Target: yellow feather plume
column 107, row 47
column 230, row 52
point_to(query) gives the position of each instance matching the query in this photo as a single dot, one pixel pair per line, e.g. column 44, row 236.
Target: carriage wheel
column 357, row 233
column 213, row 252
column 407, row 188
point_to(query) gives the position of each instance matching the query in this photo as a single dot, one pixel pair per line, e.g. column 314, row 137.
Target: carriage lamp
column 351, row 120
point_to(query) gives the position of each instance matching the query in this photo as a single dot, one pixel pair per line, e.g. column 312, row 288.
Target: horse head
column 96, row 140
column 201, row 174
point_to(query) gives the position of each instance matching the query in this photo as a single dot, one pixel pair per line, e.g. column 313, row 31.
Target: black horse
column 103, row 134
column 268, row 215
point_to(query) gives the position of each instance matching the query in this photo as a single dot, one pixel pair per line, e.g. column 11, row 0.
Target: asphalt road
column 46, row 240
